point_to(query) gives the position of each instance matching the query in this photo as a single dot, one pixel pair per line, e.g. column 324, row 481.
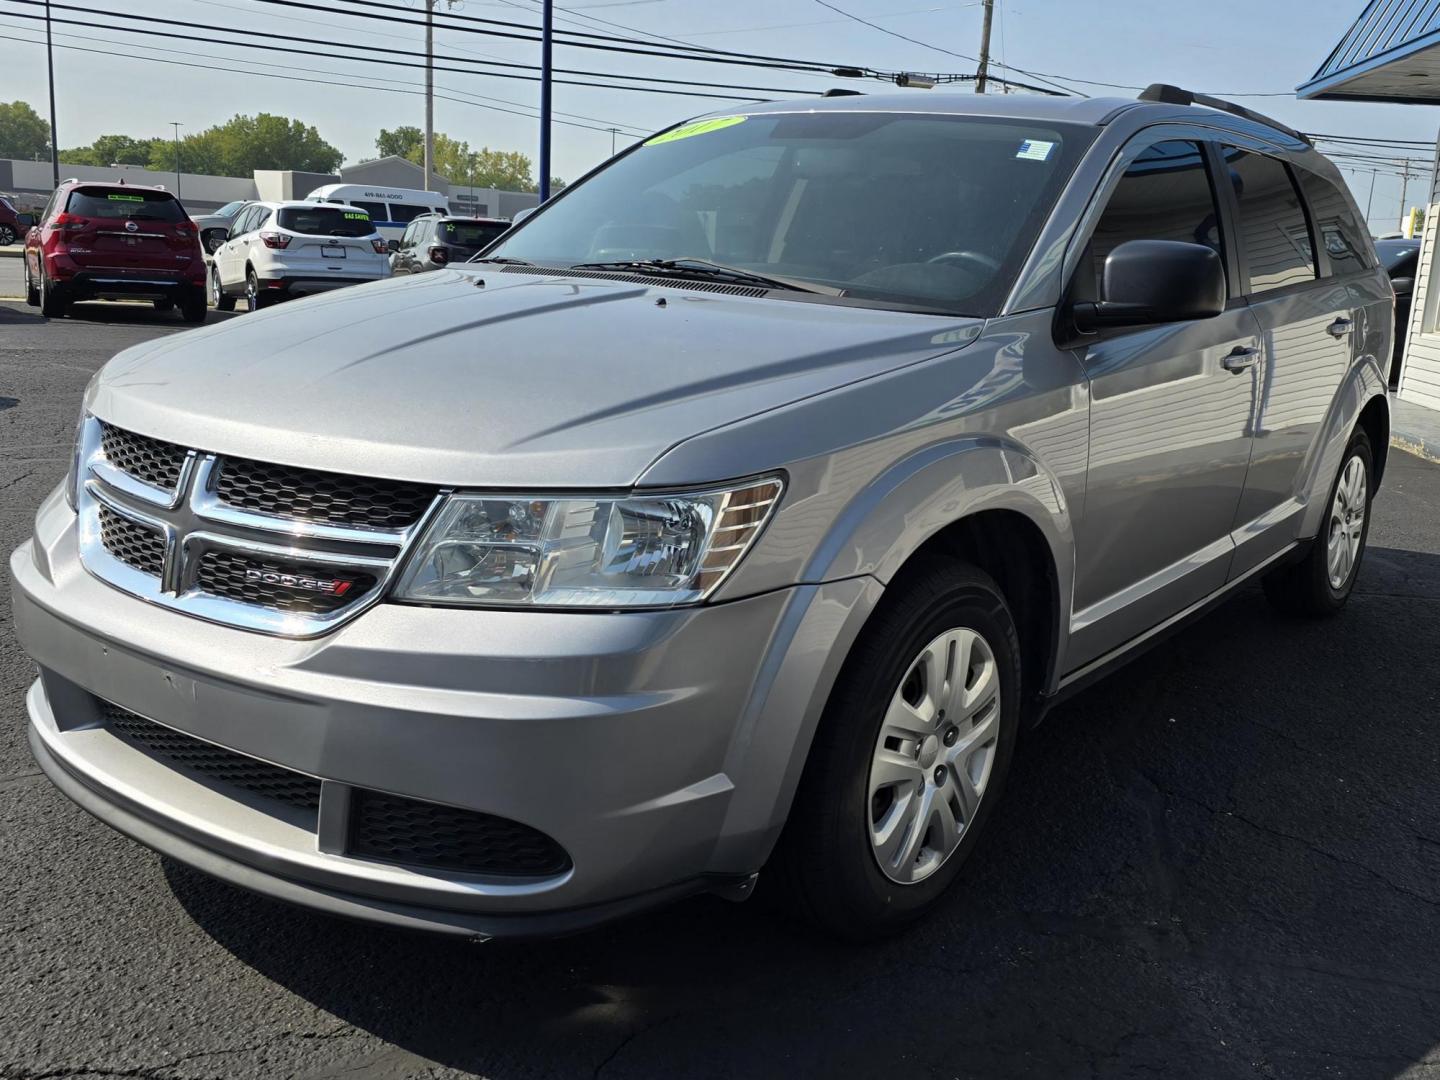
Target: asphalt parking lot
column 1224, row 861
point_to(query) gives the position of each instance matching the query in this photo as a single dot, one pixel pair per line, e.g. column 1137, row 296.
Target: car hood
column 481, row 377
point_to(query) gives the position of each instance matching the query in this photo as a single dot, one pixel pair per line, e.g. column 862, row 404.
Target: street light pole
column 50, row 74
column 612, row 141
column 177, row 125
column 429, row 90
column 547, row 29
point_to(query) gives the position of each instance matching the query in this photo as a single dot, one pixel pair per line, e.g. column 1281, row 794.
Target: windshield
column 139, row 204
column 926, row 211
column 471, row 234
column 326, row 221
column 1394, row 254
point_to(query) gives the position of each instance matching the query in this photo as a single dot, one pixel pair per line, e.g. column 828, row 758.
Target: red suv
column 114, row 242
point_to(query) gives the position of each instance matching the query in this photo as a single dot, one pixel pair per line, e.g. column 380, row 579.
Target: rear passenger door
column 1170, row 410
column 1307, row 319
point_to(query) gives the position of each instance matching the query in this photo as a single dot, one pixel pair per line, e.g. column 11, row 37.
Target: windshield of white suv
column 933, row 212
column 325, row 221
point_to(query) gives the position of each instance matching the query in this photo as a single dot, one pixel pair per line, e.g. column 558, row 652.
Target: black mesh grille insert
column 311, row 590
column 144, row 458
column 133, row 544
column 195, row 755
column 416, row 833
column 322, row 497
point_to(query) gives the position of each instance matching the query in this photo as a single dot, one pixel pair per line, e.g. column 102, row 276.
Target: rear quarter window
column 1345, row 242
column 138, row 204
column 326, row 221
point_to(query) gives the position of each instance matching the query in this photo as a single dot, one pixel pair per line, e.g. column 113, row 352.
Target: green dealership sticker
column 126, row 198
column 358, row 217
column 700, row 127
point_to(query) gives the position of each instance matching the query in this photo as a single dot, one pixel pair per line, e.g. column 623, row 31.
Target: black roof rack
column 1174, row 95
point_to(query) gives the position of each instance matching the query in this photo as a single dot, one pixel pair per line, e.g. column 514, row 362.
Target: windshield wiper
column 693, row 267
column 505, row 259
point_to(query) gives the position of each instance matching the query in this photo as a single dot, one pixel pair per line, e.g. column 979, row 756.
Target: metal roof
column 1391, row 53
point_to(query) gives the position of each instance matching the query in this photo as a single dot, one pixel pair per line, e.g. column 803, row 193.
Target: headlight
column 636, row 551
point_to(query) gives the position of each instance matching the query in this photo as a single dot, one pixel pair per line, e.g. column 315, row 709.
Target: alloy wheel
column 1347, row 523
column 934, row 754
column 7, row 236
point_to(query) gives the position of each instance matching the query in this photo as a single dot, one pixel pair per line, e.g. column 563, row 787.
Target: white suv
column 275, row 250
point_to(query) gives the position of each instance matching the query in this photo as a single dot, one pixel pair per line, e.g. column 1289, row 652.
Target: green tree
column 116, row 150
column 405, row 141
column 245, row 143
column 22, row 133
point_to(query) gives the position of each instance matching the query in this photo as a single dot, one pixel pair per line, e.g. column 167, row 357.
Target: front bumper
column 659, row 749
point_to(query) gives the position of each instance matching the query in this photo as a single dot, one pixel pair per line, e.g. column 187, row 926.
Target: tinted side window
column 1274, row 235
column 1165, row 194
column 1338, row 225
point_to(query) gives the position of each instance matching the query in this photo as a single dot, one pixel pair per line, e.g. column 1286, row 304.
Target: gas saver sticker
column 699, row 127
column 126, row 198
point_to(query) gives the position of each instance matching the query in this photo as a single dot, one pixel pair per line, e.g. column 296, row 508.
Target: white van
column 390, row 208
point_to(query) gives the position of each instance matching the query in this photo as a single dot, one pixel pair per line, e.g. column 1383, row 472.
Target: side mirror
column 25, row 220
column 392, row 246
column 1403, row 286
column 213, row 237
column 1155, row 281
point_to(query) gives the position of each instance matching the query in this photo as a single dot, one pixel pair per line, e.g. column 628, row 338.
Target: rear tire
column 217, row 294
column 7, row 236
column 1320, row 583
column 864, row 854
column 193, row 308
column 54, row 303
column 255, row 298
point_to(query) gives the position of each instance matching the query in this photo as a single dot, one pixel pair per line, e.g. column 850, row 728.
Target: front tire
column 910, row 757
column 32, row 291
column 1320, row 583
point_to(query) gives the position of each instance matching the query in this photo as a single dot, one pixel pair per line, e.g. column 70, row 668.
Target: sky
column 1229, row 47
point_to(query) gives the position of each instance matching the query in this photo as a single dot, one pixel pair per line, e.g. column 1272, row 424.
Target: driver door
column 1170, row 414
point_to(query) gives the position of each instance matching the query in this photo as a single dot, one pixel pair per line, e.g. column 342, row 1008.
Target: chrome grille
column 132, row 543
column 281, row 586
column 186, row 752
column 275, row 549
column 311, row 495
column 155, row 462
column 395, row 829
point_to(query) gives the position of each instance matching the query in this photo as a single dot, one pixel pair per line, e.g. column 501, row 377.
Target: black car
column 433, row 241
column 1400, row 258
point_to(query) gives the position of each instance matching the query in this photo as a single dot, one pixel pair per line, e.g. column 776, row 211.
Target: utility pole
column 50, row 73
column 429, row 90
column 547, row 30
column 177, row 125
column 1370, row 201
column 612, row 141
column 984, row 72
column 1404, row 188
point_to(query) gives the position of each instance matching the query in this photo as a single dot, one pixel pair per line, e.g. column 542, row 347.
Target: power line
column 517, row 111
column 330, row 54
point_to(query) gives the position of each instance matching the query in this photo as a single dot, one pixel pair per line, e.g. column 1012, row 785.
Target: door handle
column 1240, row 359
column 1339, row 328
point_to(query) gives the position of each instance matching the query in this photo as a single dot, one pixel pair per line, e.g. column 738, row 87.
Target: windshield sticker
column 1034, row 150
column 700, row 127
column 357, row 217
column 126, row 198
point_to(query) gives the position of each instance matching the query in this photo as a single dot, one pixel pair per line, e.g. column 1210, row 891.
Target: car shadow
column 132, row 313
column 1223, row 860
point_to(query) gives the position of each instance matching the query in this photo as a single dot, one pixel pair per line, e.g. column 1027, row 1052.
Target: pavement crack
column 644, row 1029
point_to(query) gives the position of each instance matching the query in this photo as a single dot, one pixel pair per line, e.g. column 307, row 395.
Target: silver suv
column 736, row 511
